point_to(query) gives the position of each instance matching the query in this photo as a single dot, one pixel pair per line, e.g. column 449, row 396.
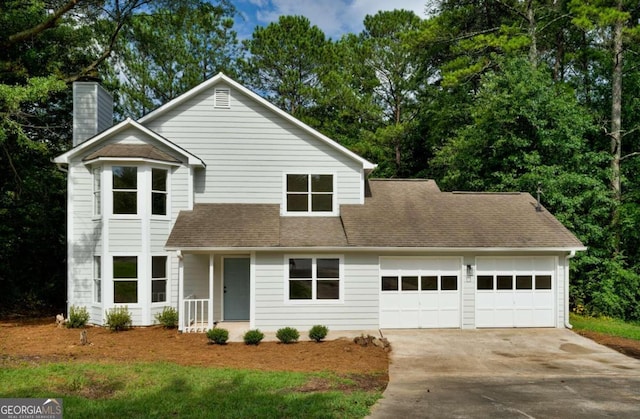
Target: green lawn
column 607, row 326
column 162, row 390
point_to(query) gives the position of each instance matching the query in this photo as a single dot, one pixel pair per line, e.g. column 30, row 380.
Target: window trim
column 97, row 279
column 98, row 192
column 139, row 176
column 165, row 278
column 314, row 280
column 309, row 213
column 136, row 279
column 151, row 191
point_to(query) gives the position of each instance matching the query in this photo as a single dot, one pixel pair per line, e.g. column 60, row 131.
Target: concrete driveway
column 508, row 373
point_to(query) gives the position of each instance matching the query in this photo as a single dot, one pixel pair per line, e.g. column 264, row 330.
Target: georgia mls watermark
column 30, row 408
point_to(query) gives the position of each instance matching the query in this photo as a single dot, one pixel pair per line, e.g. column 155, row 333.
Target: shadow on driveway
column 506, row 373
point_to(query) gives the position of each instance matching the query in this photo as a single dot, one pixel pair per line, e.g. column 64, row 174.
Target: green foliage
column 318, row 332
column 118, row 318
column 285, row 61
column 136, row 390
column 287, row 335
column 78, row 317
column 168, row 318
column 218, row 335
column 253, row 337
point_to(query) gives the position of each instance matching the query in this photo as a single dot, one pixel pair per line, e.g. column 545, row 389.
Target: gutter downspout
column 566, row 290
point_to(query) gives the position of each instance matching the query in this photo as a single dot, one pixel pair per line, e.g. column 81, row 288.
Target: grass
column 146, row 390
column 608, row 326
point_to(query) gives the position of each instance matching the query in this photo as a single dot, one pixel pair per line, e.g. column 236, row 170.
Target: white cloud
column 334, row 17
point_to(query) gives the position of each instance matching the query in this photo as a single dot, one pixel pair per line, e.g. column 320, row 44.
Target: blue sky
column 334, row 17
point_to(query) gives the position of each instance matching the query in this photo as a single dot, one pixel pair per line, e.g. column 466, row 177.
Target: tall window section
column 97, row 279
column 158, row 279
column 97, row 198
column 158, row 192
column 309, row 193
column 314, row 278
column 125, row 279
column 125, row 190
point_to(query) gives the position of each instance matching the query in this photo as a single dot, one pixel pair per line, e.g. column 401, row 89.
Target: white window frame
column 314, row 300
column 97, row 279
column 309, row 193
column 165, row 278
column 152, row 191
column 139, row 183
column 136, row 279
column 97, row 192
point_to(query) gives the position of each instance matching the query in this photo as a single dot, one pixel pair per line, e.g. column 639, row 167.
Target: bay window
column 125, row 190
column 125, row 279
column 158, row 192
column 158, row 279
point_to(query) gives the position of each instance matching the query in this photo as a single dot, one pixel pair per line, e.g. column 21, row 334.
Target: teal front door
column 236, row 288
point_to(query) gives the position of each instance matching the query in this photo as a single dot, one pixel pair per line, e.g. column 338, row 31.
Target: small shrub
column 218, row 336
column 118, row 318
column 318, row 332
column 253, row 337
column 287, row 335
column 78, row 317
column 168, row 318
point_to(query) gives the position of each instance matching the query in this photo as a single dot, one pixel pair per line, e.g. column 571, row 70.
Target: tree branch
column 627, row 156
column 49, row 23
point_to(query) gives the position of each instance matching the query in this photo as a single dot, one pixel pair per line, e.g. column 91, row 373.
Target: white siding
column 92, row 110
column 247, row 148
column 358, row 311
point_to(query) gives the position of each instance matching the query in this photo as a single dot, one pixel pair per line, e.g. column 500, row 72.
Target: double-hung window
column 125, row 190
column 97, row 279
column 97, row 187
column 125, row 279
column 158, row 192
column 309, row 193
column 314, row 278
column 158, row 279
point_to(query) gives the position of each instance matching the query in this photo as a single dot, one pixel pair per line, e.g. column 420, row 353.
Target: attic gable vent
column 221, row 99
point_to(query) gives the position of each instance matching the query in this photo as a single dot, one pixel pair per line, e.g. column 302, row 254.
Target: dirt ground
column 41, row 341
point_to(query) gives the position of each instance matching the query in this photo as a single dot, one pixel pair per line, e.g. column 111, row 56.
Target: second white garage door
column 420, row 292
column 515, row 291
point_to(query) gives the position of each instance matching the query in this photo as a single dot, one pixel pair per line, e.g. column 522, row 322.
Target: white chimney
column 92, row 110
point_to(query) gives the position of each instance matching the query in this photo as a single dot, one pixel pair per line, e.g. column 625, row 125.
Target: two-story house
column 227, row 208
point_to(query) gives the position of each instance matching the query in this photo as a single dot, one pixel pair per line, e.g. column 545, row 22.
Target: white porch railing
column 195, row 318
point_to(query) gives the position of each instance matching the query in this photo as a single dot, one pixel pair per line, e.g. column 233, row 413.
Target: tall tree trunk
column 616, row 125
column 533, row 36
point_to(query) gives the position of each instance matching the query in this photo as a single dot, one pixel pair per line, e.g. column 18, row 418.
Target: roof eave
column 553, row 249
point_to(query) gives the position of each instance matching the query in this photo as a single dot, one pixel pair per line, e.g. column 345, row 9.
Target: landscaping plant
column 168, row 318
column 118, row 318
column 287, row 335
column 78, row 317
column 218, row 336
column 253, row 337
column 318, row 332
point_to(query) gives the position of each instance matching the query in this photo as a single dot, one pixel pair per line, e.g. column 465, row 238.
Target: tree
column 285, row 62
column 167, row 51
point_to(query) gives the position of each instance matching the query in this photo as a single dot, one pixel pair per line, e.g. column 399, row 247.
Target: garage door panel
column 521, row 302
column 428, row 307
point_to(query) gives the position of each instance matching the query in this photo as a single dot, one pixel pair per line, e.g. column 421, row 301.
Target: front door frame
column 249, row 257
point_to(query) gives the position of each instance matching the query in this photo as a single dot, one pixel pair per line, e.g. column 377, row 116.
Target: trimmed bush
column 168, row 318
column 318, row 332
column 78, row 317
column 118, row 318
column 287, row 335
column 218, row 336
column 253, row 337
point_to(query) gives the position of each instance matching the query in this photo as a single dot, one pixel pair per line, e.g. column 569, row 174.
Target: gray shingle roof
column 397, row 213
column 145, row 151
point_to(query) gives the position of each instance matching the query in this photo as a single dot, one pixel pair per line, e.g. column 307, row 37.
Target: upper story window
column 310, row 193
column 125, row 190
column 158, row 192
column 97, row 187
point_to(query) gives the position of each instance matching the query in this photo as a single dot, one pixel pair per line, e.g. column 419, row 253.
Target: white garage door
column 420, row 292
column 515, row 292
